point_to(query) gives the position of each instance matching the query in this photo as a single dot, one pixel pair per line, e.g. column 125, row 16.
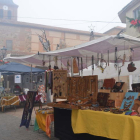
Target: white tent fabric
column 111, row 71
column 86, row 50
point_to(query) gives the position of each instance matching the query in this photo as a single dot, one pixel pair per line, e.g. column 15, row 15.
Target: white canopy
column 86, row 50
column 99, row 46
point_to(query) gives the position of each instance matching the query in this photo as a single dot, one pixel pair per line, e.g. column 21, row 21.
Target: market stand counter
column 106, row 124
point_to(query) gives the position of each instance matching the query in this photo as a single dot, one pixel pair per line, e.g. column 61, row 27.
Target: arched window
column 1, row 13
column 9, row 14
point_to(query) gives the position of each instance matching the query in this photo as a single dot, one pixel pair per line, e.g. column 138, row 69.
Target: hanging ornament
column 55, row 61
column 92, row 64
column 116, row 60
column 68, row 64
column 131, row 66
column 124, row 55
column 98, row 59
column 61, row 64
column 81, row 66
column 86, row 63
column 103, row 65
column 108, row 57
column 119, row 67
column 49, row 62
column 78, row 65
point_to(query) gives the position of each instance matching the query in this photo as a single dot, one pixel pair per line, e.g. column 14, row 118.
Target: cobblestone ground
column 10, row 130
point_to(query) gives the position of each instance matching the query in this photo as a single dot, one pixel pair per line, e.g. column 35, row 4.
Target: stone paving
column 10, row 130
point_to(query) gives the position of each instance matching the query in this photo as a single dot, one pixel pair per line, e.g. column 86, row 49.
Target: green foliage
column 130, row 19
column 134, row 22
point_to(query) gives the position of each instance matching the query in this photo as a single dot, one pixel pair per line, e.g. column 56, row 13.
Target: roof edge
column 122, row 13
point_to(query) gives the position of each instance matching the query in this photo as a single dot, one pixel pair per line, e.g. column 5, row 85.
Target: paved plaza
column 10, row 130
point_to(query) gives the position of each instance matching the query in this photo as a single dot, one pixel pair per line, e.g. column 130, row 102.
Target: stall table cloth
column 106, row 124
column 9, row 100
column 44, row 120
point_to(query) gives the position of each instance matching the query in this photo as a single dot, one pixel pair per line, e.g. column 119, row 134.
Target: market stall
column 14, row 86
column 111, row 112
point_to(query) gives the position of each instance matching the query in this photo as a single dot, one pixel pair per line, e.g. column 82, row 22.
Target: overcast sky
column 83, row 12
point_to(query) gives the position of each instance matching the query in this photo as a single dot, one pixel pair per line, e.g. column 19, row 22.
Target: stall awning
column 18, row 68
column 99, row 46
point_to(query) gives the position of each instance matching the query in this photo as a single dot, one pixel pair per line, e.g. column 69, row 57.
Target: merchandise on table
column 128, row 101
column 42, row 94
column 117, row 87
column 109, row 83
column 102, row 98
column 9, row 100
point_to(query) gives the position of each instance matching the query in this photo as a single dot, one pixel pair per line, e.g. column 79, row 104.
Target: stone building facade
column 21, row 38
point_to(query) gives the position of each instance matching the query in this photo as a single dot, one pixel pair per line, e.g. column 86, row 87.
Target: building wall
column 132, row 31
column 21, row 38
column 26, row 39
column 56, row 37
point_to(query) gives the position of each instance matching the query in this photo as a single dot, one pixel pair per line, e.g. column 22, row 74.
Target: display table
column 63, row 129
column 9, row 101
column 44, row 121
column 106, row 124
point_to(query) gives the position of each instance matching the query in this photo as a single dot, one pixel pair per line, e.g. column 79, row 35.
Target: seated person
column 17, row 89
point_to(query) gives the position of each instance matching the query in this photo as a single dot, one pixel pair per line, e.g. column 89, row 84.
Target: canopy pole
column 31, row 78
column 71, row 66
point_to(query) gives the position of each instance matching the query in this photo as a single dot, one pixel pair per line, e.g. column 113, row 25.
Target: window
column 1, row 13
column 9, row 14
column 9, row 45
column 136, row 12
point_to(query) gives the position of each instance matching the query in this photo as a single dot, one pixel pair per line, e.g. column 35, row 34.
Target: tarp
column 19, row 68
column 86, row 50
